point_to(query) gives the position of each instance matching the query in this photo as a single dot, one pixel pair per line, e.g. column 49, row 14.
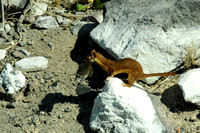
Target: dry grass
column 191, row 56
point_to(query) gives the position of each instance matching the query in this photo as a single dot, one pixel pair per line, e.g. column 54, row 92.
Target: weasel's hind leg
column 131, row 80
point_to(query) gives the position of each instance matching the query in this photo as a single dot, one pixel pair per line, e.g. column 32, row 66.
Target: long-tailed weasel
column 126, row 65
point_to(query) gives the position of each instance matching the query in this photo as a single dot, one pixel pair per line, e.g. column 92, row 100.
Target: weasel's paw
column 126, row 85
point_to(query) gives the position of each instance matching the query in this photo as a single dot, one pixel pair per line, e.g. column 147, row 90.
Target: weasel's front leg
column 110, row 75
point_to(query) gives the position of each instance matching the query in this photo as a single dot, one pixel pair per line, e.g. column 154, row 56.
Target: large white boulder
column 11, row 80
column 189, row 83
column 156, row 33
column 119, row 109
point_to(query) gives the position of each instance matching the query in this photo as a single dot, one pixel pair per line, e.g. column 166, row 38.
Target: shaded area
column 84, row 101
column 173, row 99
column 84, row 45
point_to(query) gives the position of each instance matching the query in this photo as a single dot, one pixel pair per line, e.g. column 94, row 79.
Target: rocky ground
column 52, row 99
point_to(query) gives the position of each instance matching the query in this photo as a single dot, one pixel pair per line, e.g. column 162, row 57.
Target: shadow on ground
column 173, row 99
column 85, row 102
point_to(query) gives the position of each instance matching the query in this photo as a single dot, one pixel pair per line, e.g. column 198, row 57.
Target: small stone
column 59, row 19
column 42, row 81
column 43, row 39
column 42, row 112
column 51, row 45
column 46, row 22
column 193, row 118
column 2, row 40
column 2, row 54
column 3, row 34
column 11, row 105
column 32, row 63
column 11, row 32
column 30, row 42
column 66, row 21
column 23, row 51
column 21, row 43
column 29, row 19
column 38, row 8
column 48, row 75
column 17, row 54
column 12, row 24
column 12, row 42
column 7, row 28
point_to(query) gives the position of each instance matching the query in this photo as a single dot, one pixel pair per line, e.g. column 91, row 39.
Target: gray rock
column 20, row 53
column 119, row 109
column 66, row 21
column 32, row 63
column 11, row 32
column 15, row 5
column 7, row 28
column 59, row 19
column 46, row 22
column 2, row 54
column 38, row 8
column 2, row 40
column 22, row 43
column 80, row 28
column 3, row 34
column 98, row 16
column 11, row 80
column 189, row 84
column 23, row 51
column 156, row 33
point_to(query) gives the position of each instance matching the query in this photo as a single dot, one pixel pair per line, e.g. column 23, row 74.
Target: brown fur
column 126, row 65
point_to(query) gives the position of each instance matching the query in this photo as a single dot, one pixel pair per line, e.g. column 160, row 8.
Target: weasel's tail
column 160, row 74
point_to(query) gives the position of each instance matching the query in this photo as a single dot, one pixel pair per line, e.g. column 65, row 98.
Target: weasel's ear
column 93, row 54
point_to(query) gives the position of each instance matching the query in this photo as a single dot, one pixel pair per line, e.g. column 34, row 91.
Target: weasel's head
column 92, row 56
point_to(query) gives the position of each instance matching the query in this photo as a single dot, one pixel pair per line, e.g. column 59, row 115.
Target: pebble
column 48, row 75
column 2, row 54
column 66, row 21
column 36, row 63
column 46, row 22
column 30, row 42
column 3, row 34
column 17, row 54
column 42, row 81
column 22, row 44
column 23, row 51
column 43, row 39
column 11, row 105
column 29, row 19
column 51, row 45
column 2, row 40
column 7, row 28
column 59, row 19
column 11, row 32
column 193, row 118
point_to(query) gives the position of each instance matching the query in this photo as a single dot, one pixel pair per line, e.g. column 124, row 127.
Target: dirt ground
column 50, row 102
